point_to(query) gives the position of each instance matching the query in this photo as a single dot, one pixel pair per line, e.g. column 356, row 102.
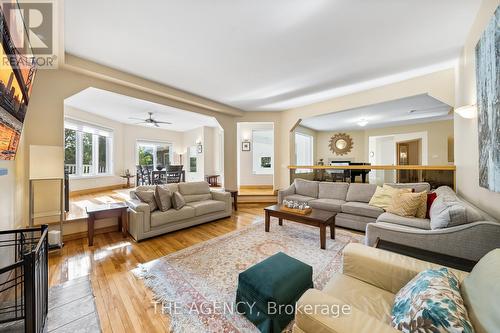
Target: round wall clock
column 341, row 144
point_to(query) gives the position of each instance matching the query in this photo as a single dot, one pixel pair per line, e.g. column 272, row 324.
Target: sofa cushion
column 163, row 198
column 159, row 218
column 149, row 198
column 194, row 188
column 431, row 302
column 331, row 205
column 480, row 292
column 332, row 190
column 196, row 197
column 298, row 197
column 356, row 222
column 178, row 200
column 206, row 206
column 306, row 187
column 407, row 221
column 361, row 208
column 360, row 192
column 369, row 299
column 416, row 187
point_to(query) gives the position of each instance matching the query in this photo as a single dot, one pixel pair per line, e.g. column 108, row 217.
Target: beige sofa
column 369, row 282
column 202, row 205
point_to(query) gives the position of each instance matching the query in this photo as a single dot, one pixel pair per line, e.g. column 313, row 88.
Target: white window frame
column 81, row 128
column 311, row 157
column 154, row 145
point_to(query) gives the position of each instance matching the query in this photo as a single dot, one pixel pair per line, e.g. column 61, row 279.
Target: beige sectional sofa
column 470, row 234
column 371, row 278
column 202, row 205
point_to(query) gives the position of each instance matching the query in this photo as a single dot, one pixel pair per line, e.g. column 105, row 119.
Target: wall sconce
column 467, row 111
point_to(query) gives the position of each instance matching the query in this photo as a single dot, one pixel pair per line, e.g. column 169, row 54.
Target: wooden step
column 256, row 199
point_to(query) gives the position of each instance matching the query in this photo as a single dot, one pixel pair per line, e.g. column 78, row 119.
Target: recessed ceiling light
column 363, row 122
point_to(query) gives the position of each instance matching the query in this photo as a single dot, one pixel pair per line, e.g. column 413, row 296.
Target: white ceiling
column 120, row 107
column 393, row 113
column 270, row 55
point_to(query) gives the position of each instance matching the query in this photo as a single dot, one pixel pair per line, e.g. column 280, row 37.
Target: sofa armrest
column 318, row 312
column 383, row 269
column 475, row 239
column 138, row 206
column 286, row 192
column 224, row 197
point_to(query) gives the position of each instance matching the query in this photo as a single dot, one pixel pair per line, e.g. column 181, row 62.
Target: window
column 87, row 148
column 154, row 153
column 303, row 150
column 262, row 152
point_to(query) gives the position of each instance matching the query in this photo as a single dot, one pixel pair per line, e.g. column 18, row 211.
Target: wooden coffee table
column 317, row 218
column 104, row 211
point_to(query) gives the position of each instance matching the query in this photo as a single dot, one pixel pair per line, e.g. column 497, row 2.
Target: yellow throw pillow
column 382, row 197
column 422, row 209
column 406, row 204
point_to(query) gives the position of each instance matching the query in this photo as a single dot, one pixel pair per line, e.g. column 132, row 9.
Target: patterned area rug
column 197, row 286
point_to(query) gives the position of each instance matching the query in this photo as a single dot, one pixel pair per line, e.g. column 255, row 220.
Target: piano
column 348, row 174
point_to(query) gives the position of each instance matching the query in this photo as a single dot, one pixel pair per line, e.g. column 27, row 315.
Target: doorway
column 255, row 158
column 408, row 153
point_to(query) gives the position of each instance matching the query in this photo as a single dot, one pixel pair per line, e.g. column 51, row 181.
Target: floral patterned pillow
column 431, row 302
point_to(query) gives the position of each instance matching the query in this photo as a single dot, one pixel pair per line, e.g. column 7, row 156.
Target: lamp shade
column 46, row 162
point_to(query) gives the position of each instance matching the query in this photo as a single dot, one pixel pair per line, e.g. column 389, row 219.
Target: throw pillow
column 406, row 204
column 163, row 198
column 431, row 302
column 430, row 199
column 178, row 200
column 149, row 198
column 422, row 209
column 383, row 196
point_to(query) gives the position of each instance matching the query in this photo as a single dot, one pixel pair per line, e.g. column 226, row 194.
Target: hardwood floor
column 123, row 302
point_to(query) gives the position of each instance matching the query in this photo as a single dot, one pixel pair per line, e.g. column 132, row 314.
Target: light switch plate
column 3, row 172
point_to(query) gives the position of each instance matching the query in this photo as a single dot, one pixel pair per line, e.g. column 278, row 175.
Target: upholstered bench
column 267, row 292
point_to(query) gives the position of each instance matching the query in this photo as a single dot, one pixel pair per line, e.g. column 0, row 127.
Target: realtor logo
column 31, row 25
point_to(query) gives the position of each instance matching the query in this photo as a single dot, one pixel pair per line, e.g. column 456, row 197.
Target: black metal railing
column 24, row 282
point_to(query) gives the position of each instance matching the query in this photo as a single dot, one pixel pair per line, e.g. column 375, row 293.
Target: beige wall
column 466, row 130
column 357, row 154
column 438, row 134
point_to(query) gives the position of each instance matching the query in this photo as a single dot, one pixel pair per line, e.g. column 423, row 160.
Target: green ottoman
column 267, row 292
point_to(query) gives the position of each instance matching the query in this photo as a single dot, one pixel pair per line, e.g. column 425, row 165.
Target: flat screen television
column 17, row 71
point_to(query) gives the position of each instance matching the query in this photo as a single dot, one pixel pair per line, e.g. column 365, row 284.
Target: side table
column 98, row 212
column 234, row 195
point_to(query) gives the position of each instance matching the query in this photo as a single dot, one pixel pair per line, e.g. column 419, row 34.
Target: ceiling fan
column 150, row 120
